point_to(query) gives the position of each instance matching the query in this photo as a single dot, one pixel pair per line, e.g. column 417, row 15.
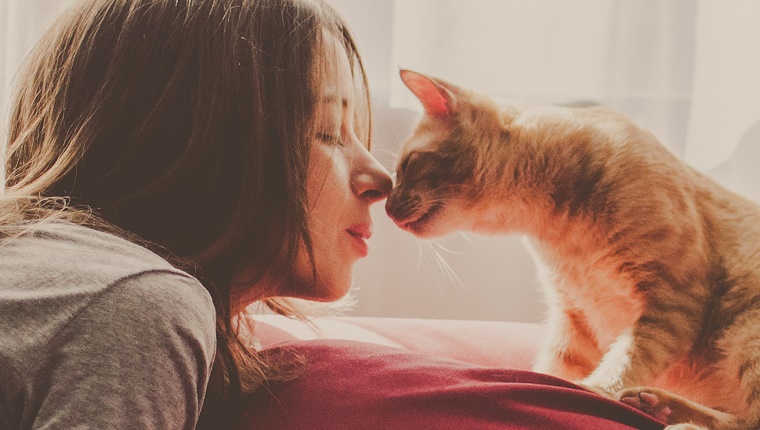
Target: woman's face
column 344, row 180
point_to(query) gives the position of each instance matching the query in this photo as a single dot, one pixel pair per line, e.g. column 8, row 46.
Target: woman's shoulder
column 56, row 236
column 63, row 251
column 87, row 309
column 52, row 274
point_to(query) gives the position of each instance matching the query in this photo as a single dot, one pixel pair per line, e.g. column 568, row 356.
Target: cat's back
column 610, row 138
column 732, row 222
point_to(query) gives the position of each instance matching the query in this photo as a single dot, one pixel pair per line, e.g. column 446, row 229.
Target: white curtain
column 689, row 70
column 686, row 69
column 726, row 94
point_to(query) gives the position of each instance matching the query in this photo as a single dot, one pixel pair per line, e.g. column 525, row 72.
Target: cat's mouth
column 419, row 223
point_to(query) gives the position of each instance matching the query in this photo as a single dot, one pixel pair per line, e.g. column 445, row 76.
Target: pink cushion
column 349, row 385
column 488, row 343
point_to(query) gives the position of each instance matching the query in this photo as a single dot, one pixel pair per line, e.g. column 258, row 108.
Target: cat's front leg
column 661, row 335
column 570, row 350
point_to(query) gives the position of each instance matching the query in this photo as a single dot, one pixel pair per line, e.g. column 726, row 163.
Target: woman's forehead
column 334, row 70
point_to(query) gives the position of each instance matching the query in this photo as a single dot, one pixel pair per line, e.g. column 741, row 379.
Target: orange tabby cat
column 651, row 270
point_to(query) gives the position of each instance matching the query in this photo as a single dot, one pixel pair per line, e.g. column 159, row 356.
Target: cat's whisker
column 420, row 253
column 446, row 269
column 448, row 250
column 440, row 265
column 426, row 254
column 466, row 237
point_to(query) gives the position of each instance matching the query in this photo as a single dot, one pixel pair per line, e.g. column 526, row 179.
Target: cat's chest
column 583, row 276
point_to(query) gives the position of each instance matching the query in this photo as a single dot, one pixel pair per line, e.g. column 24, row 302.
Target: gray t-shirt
column 99, row 333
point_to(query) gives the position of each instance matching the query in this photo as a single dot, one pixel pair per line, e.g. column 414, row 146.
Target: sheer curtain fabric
column 687, row 70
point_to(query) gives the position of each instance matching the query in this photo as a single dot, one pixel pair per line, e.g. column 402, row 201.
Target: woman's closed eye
column 330, row 138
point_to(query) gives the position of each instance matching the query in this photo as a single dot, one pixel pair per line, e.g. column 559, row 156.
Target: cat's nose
column 389, row 209
column 394, row 207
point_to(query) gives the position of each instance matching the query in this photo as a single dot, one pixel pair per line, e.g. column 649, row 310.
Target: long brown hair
column 184, row 126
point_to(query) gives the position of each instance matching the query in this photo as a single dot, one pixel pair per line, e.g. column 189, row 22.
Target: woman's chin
column 325, row 290
column 335, row 292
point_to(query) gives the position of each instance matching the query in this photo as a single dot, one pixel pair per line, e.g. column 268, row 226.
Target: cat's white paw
column 685, row 427
column 646, row 402
column 679, row 412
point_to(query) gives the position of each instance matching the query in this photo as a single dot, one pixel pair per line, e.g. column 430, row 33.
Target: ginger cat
column 651, row 270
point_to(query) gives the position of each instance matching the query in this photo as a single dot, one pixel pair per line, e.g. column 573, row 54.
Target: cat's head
column 442, row 165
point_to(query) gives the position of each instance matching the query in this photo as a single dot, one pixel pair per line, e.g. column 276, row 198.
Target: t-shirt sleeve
column 138, row 356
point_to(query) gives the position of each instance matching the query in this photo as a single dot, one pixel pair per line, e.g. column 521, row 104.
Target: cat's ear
column 437, row 100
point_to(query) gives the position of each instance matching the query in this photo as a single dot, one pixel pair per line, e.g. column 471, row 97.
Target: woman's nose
column 371, row 181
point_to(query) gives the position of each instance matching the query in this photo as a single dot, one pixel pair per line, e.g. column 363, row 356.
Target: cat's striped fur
column 651, row 269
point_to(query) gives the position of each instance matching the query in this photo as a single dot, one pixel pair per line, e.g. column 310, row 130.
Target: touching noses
column 371, row 181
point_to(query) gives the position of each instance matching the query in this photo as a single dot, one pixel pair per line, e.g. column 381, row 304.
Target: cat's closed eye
column 405, row 162
column 419, row 163
column 427, row 170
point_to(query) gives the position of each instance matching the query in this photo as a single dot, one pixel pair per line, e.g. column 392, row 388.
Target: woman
column 169, row 163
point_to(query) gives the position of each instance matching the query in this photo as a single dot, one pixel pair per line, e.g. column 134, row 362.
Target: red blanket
column 352, row 385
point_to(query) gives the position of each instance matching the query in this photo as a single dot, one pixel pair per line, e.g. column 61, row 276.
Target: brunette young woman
column 170, row 162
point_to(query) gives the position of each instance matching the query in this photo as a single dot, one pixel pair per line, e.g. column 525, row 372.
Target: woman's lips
column 359, row 234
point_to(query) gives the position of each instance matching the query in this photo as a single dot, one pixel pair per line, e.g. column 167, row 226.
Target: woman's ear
column 437, row 98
